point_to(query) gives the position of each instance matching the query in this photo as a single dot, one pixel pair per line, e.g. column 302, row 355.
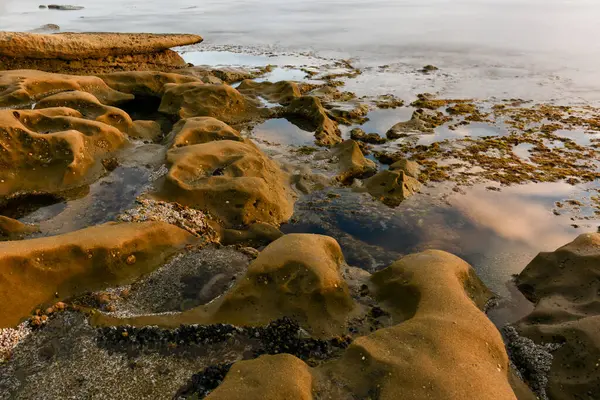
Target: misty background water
column 536, row 49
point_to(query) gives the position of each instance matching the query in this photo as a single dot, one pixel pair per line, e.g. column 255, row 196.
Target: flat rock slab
column 76, row 46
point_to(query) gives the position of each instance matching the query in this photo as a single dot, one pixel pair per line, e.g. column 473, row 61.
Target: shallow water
column 538, row 49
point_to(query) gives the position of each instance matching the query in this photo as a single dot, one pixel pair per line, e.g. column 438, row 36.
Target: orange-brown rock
column 33, row 271
column 51, row 150
column 281, row 92
column 298, row 276
column 234, row 181
column 266, row 378
column 77, row 46
column 91, row 108
column 24, row 87
column 351, row 163
column 196, row 99
column 165, row 60
column 144, row 83
column 564, row 285
column 91, row 53
column 13, row 229
column 442, row 346
column 200, row 130
column 310, row 108
column 392, row 187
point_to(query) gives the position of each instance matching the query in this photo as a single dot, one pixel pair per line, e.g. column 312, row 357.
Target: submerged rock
column 41, row 270
column 51, row 150
column 564, row 287
column 234, row 181
column 13, row 229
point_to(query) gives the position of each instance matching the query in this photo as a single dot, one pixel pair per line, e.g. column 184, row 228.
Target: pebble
column 10, row 338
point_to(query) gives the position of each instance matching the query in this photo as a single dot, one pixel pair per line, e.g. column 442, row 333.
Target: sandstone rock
column 392, row 187
column 351, row 162
column 310, row 108
column 349, row 112
column 297, row 276
column 276, row 377
column 78, row 46
column 232, row 180
column 144, row 83
column 51, row 150
column 258, row 234
column 372, row 138
column 165, row 60
column 13, row 229
column 91, row 53
column 32, row 271
column 564, row 287
column 21, row 88
column 199, row 130
column 413, row 126
column 202, row 73
column 445, row 348
column 410, row 168
column 91, row 108
column 281, row 92
column 196, row 99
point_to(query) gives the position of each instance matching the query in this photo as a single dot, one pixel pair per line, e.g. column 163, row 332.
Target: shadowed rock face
column 144, row 83
column 13, row 229
column 564, row 285
column 76, row 46
column 33, row 271
column 392, row 187
column 80, row 53
column 310, row 108
column 232, row 180
column 445, row 347
column 50, row 150
column 22, row 87
column 351, row 162
column 91, row 108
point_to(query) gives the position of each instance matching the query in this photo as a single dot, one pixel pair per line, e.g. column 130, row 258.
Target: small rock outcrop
column 12, row 229
column 87, row 53
column 232, row 180
column 296, row 276
column 36, row 271
column 564, row 286
column 392, row 187
column 51, row 150
column 351, row 162
column 200, row 130
column 410, row 168
column 24, row 87
column 91, row 108
column 197, row 99
column 310, row 108
column 280, row 92
column 144, row 83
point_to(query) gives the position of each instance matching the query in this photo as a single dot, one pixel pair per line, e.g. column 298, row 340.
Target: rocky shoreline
column 192, row 289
